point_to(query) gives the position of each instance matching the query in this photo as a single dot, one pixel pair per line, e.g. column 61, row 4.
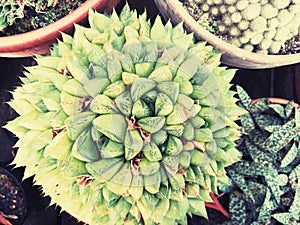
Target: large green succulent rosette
column 127, row 123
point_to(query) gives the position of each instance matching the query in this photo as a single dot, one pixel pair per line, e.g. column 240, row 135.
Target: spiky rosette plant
column 126, row 123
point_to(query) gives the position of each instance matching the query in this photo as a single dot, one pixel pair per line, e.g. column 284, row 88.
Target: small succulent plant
column 127, row 123
column 257, row 25
column 10, row 10
column 264, row 186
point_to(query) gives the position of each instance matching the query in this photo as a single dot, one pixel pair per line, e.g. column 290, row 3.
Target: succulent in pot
column 39, row 40
column 264, row 186
column 258, row 26
column 10, row 11
column 127, row 123
column 249, row 33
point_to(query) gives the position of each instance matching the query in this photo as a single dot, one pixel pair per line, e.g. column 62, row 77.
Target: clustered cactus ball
column 255, row 25
column 126, row 123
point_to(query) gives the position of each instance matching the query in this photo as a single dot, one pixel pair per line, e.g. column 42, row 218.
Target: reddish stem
column 3, row 220
column 216, row 205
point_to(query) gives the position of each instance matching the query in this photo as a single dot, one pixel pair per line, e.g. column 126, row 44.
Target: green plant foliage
column 10, row 10
column 127, row 123
column 266, row 181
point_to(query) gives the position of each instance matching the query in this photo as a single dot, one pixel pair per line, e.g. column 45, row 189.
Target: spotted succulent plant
column 127, row 123
column 264, row 186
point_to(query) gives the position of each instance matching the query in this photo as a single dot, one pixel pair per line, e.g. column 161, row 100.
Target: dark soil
column 36, row 19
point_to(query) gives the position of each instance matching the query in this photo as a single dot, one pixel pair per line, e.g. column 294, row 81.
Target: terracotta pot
column 279, row 101
column 40, row 41
column 232, row 55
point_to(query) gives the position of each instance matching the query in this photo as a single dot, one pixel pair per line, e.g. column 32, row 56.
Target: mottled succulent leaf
column 76, row 123
column 74, row 167
column 96, row 86
column 102, row 104
column 177, row 181
column 143, row 69
column 75, row 88
column 159, row 137
column 163, row 105
column 158, row 31
column 177, row 116
column 104, row 169
column 136, row 187
column 84, row 147
column 237, row 209
column 141, row 87
column 121, row 180
column 197, row 207
column 290, row 156
column 176, row 130
column 161, row 74
column 152, row 182
column 148, row 167
column 281, row 137
column 185, row 86
column 111, row 149
column 129, row 78
column 152, row 152
column 245, row 98
column 133, row 143
column 115, row 89
column 54, row 149
column 124, row 103
column 160, row 210
column 203, row 135
column 140, row 109
column 283, row 218
column 174, row 146
column 171, row 89
column 151, row 124
column 69, row 103
column 171, row 163
column 111, row 125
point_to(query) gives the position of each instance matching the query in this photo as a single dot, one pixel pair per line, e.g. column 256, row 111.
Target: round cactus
column 263, row 16
column 127, row 123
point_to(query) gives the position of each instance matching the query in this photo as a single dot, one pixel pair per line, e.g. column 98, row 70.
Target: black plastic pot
column 13, row 203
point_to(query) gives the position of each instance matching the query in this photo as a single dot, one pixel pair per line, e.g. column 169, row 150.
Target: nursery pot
column 40, row 41
column 13, row 204
column 232, row 55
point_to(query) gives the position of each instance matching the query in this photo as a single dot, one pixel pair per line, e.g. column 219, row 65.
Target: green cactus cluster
column 257, row 25
column 127, row 123
column 10, row 10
